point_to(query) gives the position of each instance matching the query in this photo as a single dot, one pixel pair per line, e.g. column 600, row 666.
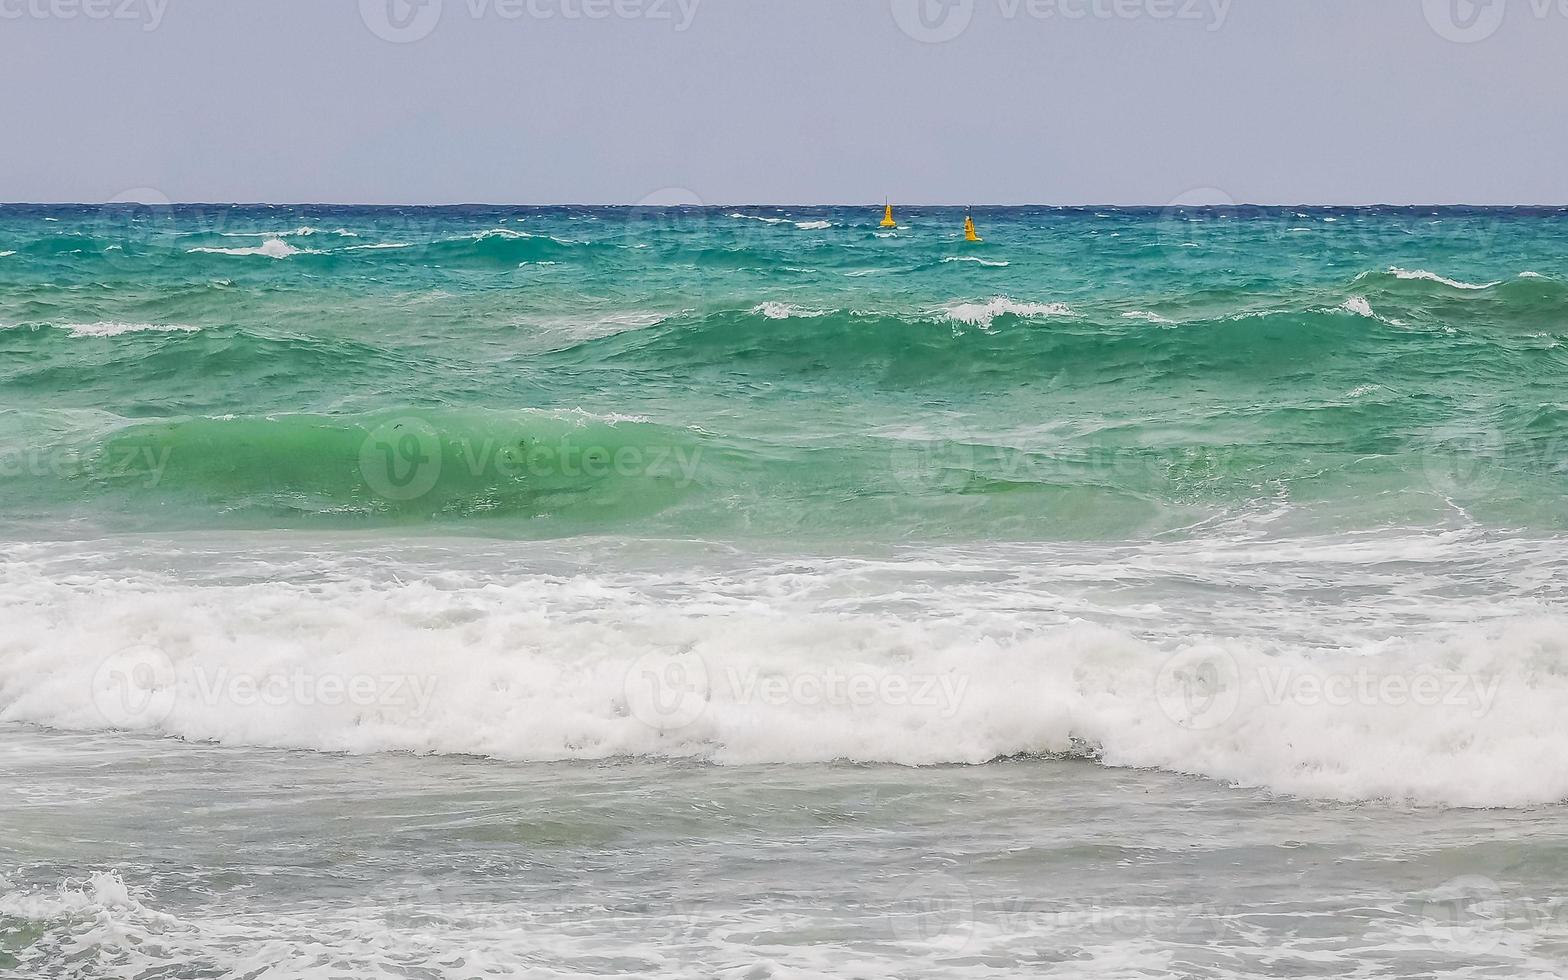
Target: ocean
column 755, row 592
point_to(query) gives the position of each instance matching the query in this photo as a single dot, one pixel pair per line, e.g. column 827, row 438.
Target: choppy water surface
column 754, row 592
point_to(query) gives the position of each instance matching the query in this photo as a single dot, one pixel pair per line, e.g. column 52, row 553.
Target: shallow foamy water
column 138, row 857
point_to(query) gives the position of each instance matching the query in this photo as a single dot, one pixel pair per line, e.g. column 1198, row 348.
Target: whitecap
column 275, row 248
column 995, row 264
column 755, row 217
column 1146, row 315
column 981, row 314
column 1475, row 718
column 785, row 311
column 1359, row 306
column 1434, row 277
column 114, row 329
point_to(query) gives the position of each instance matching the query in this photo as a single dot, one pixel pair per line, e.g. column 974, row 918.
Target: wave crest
column 541, row 667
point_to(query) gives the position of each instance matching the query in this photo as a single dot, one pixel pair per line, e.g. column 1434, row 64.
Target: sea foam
column 115, row 329
column 785, row 311
column 995, row 264
column 982, row 314
column 275, row 248
column 718, row 668
column 1424, row 275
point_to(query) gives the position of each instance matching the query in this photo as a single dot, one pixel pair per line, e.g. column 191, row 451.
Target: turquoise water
column 780, row 372
column 752, row 592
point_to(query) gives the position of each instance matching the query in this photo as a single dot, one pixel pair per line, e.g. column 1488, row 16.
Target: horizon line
column 761, row 204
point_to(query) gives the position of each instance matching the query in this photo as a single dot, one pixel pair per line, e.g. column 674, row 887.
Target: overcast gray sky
column 790, row 101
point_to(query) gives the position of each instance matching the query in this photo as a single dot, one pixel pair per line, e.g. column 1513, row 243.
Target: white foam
column 982, row 314
column 275, row 248
column 4, row 254
column 303, row 231
column 508, row 233
column 115, row 329
column 755, row 217
column 1523, row 275
column 402, row 922
column 544, row 668
column 1359, row 306
column 103, row 891
column 966, row 659
column 975, row 259
column 813, row 225
column 785, row 311
column 1146, row 315
column 1434, row 277
column 377, row 245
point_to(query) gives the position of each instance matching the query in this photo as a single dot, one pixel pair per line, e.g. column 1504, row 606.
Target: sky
column 785, row 101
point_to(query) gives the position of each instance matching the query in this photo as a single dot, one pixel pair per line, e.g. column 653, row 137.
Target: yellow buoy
column 887, row 218
column 970, row 235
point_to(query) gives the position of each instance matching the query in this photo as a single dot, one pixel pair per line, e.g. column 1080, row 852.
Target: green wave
column 405, row 465
column 933, row 349
column 1123, row 373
